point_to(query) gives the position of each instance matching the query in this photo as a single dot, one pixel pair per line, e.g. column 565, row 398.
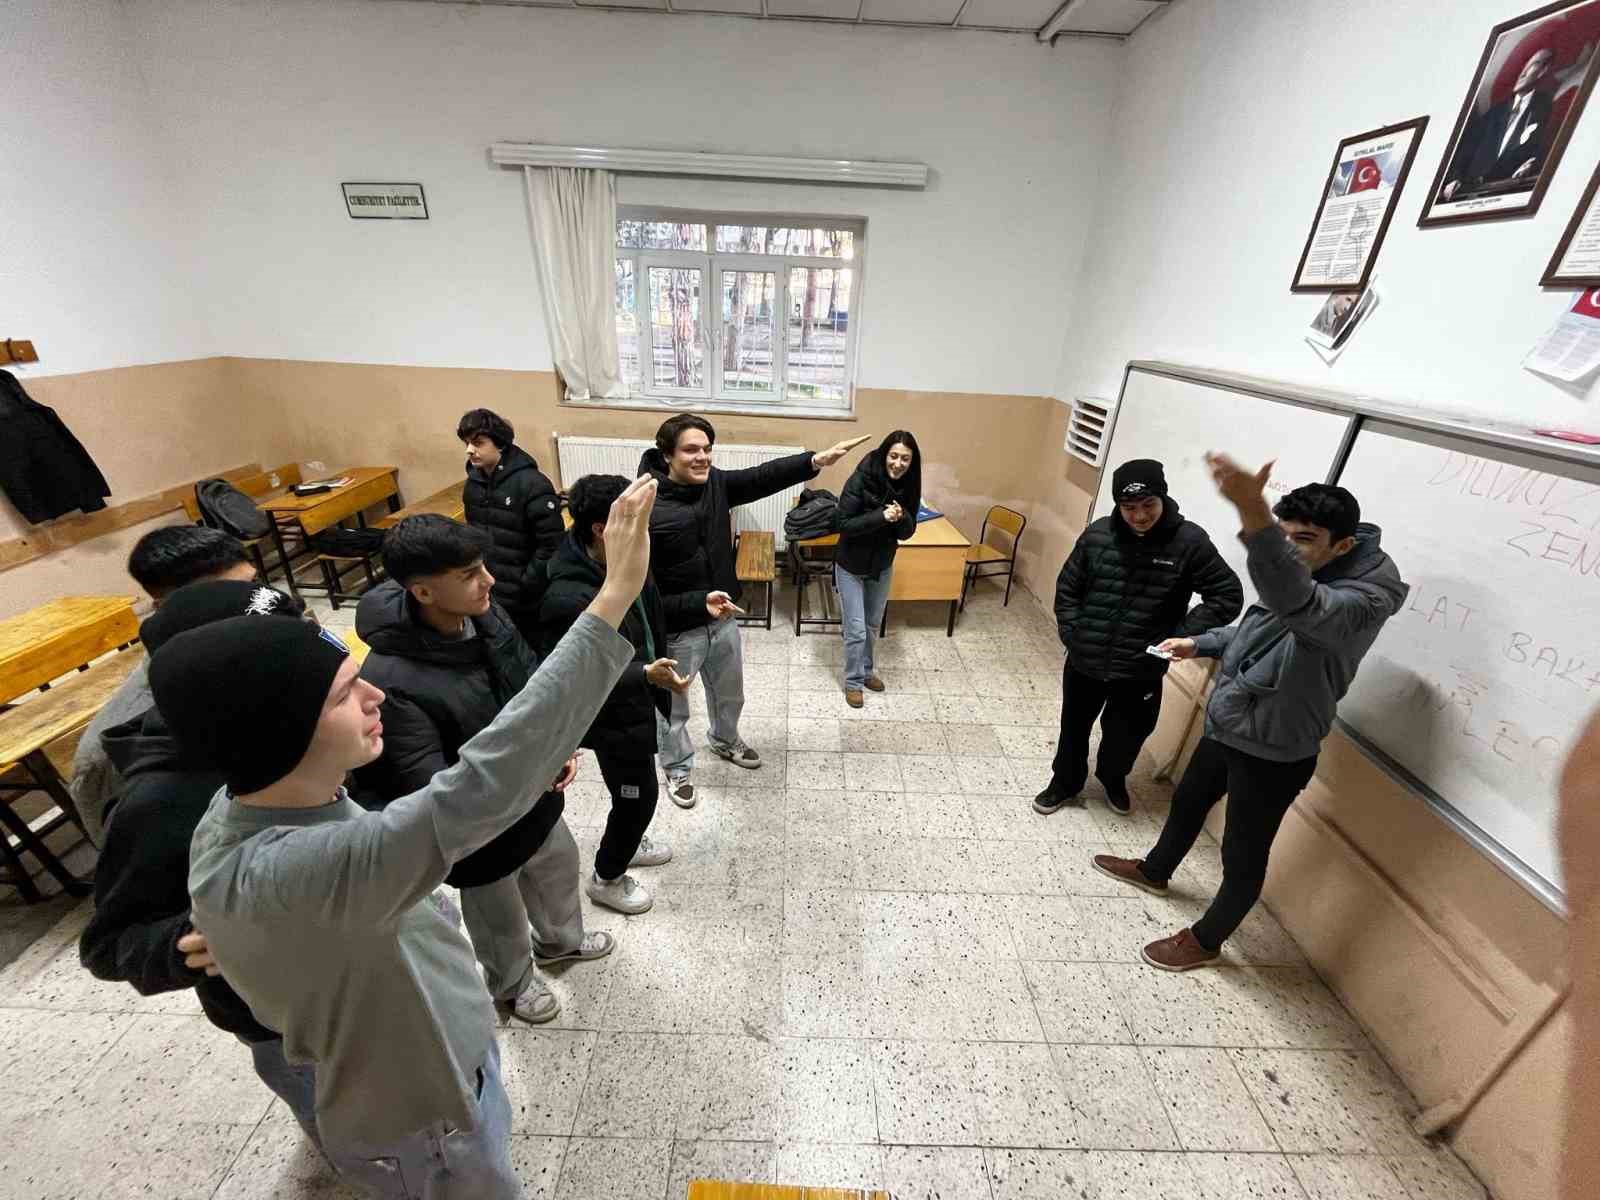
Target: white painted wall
column 270, row 106
column 95, row 262
column 1228, row 117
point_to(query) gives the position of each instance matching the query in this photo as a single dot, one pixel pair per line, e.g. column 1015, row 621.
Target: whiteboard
column 1480, row 685
column 1178, row 420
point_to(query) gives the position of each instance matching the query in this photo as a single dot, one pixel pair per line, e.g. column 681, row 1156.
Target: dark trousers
column 1130, row 707
column 632, row 781
column 1259, row 793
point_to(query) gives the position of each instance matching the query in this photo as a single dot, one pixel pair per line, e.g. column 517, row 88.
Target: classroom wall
column 1227, row 118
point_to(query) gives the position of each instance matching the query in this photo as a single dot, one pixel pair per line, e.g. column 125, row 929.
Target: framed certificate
column 1576, row 262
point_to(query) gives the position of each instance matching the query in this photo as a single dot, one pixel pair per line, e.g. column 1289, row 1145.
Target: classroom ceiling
column 1046, row 19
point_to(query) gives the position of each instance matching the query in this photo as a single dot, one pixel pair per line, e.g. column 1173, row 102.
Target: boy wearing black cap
column 315, row 910
column 1125, row 587
column 141, row 932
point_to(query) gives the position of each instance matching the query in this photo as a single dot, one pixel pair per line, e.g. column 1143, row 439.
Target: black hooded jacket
column 438, row 693
column 517, row 505
column 44, row 469
column 691, row 531
column 867, row 541
column 1120, row 593
column 141, row 884
column 626, row 723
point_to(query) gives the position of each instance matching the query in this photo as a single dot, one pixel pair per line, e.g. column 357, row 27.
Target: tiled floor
column 870, row 963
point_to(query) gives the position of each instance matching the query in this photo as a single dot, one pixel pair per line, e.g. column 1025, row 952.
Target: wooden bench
column 446, row 502
column 756, row 562
column 37, row 738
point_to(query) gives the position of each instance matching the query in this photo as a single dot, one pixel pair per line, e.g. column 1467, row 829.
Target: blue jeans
column 716, row 654
column 441, row 1163
column 862, row 599
column 295, row 1085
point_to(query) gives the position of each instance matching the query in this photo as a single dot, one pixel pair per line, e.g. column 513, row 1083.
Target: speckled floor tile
column 1206, row 1101
column 1337, row 1101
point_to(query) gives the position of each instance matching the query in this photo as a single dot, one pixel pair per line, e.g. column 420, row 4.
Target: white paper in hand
column 1159, row 652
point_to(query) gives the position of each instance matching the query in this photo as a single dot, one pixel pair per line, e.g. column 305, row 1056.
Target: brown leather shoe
column 1180, row 952
column 853, row 698
column 1129, row 871
column 874, row 684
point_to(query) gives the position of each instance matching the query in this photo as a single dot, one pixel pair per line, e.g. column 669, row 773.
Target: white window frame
column 713, row 397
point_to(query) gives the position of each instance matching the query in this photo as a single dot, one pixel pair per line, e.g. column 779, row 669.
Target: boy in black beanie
column 313, row 909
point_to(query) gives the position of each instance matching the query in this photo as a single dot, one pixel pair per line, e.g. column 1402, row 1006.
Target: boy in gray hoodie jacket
column 318, row 913
column 1326, row 588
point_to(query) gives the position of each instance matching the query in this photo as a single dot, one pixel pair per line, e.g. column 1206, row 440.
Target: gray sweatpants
column 716, row 654
column 542, row 892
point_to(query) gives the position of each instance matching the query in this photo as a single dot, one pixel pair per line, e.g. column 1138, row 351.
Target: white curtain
column 574, row 244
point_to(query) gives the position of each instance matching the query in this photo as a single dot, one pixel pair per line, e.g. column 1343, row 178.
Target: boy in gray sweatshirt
column 1326, row 588
column 317, row 912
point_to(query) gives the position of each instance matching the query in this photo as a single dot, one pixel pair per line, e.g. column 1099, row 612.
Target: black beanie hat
column 197, row 604
column 244, row 695
column 1138, row 479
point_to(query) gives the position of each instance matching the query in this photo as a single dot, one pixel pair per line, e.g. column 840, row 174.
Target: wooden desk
column 929, row 565
column 44, row 642
column 312, row 514
column 26, row 732
column 446, row 502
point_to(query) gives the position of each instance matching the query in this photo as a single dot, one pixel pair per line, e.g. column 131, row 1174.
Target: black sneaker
column 1050, row 800
column 1117, row 798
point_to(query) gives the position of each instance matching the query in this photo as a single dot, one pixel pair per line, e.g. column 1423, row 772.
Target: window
column 725, row 311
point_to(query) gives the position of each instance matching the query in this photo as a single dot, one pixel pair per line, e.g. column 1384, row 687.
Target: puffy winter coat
column 518, row 506
column 691, row 532
column 141, row 883
column 626, row 724
column 438, row 693
column 1120, row 593
column 867, row 541
column 44, row 469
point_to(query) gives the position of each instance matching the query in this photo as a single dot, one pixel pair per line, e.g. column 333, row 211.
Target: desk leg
column 883, row 625
column 18, row 870
column 31, row 842
column 283, row 557
column 950, row 625
column 394, row 501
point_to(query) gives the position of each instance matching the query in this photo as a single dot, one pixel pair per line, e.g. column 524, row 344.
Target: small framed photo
column 1576, row 262
column 385, row 201
column 1532, row 82
column 1358, row 200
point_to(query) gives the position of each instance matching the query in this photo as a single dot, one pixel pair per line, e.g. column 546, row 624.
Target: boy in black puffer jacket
column 508, row 497
column 448, row 659
column 623, row 736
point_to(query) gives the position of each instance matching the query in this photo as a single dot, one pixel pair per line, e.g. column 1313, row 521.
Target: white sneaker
column 624, row 893
column 681, row 791
column 651, row 854
column 536, row 1005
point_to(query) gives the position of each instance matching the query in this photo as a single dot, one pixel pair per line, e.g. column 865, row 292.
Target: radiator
column 580, row 456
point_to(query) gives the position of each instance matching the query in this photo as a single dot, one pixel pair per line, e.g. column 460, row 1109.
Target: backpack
column 340, row 542
column 813, row 517
column 223, row 506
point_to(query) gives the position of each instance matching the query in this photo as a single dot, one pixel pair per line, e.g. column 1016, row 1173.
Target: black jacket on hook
column 44, row 470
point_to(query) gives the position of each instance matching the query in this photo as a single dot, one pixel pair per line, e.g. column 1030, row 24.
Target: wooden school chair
column 985, row 560
column 756, row 562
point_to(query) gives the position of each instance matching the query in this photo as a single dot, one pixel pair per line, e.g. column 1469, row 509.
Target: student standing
column 691, row 550
column 877, row 511
column 1326, row 588
column 1125, row 587
column 448, row 659
column 318, row 913
column 623, row 736
column 507, row 496
column 162, row 561
column 141, row 932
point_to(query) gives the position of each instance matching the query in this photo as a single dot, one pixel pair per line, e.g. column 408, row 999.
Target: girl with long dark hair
column 877, row 511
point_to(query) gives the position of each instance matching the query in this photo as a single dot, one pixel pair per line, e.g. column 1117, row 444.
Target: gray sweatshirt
column 317, row 916
column 1292, row 656
column 95, row 781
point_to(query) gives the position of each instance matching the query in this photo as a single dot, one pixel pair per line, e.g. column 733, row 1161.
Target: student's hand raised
column 826, row 458
column 627, row 551
column 1237, row 485
column 196, row 954
column 720, row 605
column 661, row 674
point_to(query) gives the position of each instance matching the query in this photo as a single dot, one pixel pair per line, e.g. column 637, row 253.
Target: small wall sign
column 385, row 201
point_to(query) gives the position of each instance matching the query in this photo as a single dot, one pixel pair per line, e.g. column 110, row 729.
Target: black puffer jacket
column 867, row 542
column 626, row 723
column 1119, row 593
column 438, row 693
column 141, row 884
column 691, row 532
column 519, row 507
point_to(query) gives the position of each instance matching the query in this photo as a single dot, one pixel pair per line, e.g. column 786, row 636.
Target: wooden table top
column 37, row 722
column 290, row 503
column 446, row 502
column 44, row 642
column 940, row 531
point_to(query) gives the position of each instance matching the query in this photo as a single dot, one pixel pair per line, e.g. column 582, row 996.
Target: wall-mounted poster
column 1534, row 77
column 1357, row 205
column 1576, row 262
